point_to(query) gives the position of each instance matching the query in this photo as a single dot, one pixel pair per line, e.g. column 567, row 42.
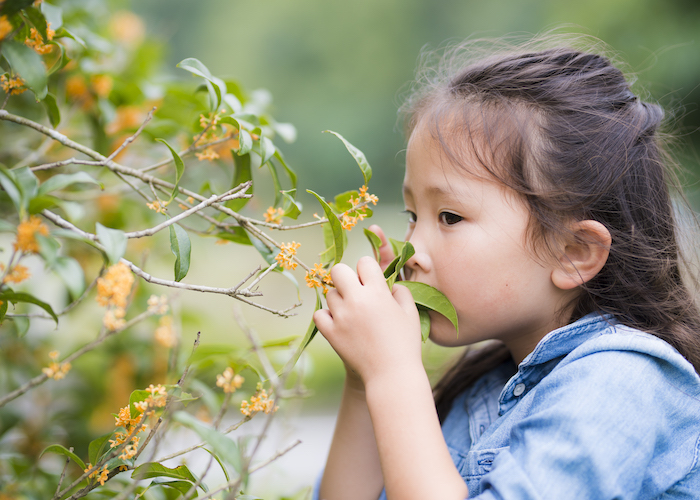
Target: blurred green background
column 342, row 65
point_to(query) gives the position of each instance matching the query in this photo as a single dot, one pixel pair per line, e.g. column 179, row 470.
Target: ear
column 584, row 255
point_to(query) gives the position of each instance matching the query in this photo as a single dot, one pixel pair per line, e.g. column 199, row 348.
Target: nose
column 420, row 263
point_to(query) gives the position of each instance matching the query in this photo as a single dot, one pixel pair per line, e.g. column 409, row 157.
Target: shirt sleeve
column 607, row 425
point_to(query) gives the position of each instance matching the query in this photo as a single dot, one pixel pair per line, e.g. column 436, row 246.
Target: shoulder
column 635, row 359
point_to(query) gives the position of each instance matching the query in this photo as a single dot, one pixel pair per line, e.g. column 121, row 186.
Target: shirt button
column 519, row 389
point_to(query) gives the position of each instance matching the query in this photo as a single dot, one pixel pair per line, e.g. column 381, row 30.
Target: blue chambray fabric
column 597, row 411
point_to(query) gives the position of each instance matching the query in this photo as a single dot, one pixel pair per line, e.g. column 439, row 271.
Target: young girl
column 536, row 190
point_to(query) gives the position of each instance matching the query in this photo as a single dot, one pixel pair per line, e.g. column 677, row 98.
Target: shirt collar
column 547, row 354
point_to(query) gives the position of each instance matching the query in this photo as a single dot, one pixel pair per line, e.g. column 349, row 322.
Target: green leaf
column 430, row 298
column 11, row 187
column 342, row 200
column 28, row 65
column 358, row 155
column 154, row 469
column 286, row 131
column 242, row 173
column 48, row 248
column 182, row 486
column 62, row 181
column 3, row 310
column 267, row 148
column 98, row 447
column 335, row 227
column 36, row 17
column 135, row 397
column 292, row 208
column 72, row 275
column 61, row 450
column 113, row 240
column 179, row 170
column 375, row 241
column 239, row 235
column 391, row 273
column 66, row 33
column 223, row 446
column 308, row 337
column 39, row 203
column 424, row 317
column 53, row 15
column 290, row 172
column 16, row 297
column 275, row 182
column 22, row 325
column 221, row 464
column 196, row 67
column 52, row 110
column 180, row 246
column 28, row 185
column 245, row 142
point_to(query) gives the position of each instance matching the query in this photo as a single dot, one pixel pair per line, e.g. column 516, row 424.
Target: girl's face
column 469, row 233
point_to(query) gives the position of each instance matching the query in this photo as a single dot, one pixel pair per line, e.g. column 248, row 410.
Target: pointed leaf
column 290, row 172
column 61, row 450
column 391, row 273
column 16, row 297
column 98, row 447
column 179, row 170
column 154, row 469
column 224, row 447
column 62, row 181
column 310, row 334
column 71, row 274
column 375, row 241
column 196, row 67
column 53, row 15
column 180, row 246
column 335, row 227
column 11, row 187
column 28, row 65
column 242, row 173
column 292, row 208
column 113, row 240
column 52, row 110
column 430, row 298
column 28, row 185
column 358, row 155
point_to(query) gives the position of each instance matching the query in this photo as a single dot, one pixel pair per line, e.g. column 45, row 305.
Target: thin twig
column 131, row 139
column 39, row 379
column 63, row 163
column 63, row 476
column 257, row 347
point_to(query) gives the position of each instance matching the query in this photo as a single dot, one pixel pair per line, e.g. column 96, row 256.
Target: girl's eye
column 449, row 218
column 411, row 216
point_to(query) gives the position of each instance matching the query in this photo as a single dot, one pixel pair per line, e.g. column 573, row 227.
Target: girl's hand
column 374, row 330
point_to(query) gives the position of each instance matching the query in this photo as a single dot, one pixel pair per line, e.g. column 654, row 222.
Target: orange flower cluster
column 157, row 399
column 164, row 334
column 26, row 234
column 101, row 84
column 36, row 41
column 207, row 154
column 318, row 277
column 274, row 215
column 158, row 305
column 56, row 370
column 17, row 274
column 156, row 206
column 101, row 474
column 349, row 221
column 228, row 381
column 13, row 85
column 286, row 255
column 112, row 291
column 212, row 134
column 259, row 402
column 5, row 27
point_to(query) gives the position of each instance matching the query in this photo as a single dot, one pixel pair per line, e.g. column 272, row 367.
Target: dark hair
column 562, row 128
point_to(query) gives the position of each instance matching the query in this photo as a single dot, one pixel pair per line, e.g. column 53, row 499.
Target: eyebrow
column 433, row 190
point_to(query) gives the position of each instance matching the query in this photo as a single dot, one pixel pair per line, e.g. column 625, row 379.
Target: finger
column 386, row 252
column 369, row 273
column 344, row 279
column 333, row 299
column 323, row 320
column 403, row 297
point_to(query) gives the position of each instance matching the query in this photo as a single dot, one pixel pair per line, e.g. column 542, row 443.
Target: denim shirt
column 597, row 411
